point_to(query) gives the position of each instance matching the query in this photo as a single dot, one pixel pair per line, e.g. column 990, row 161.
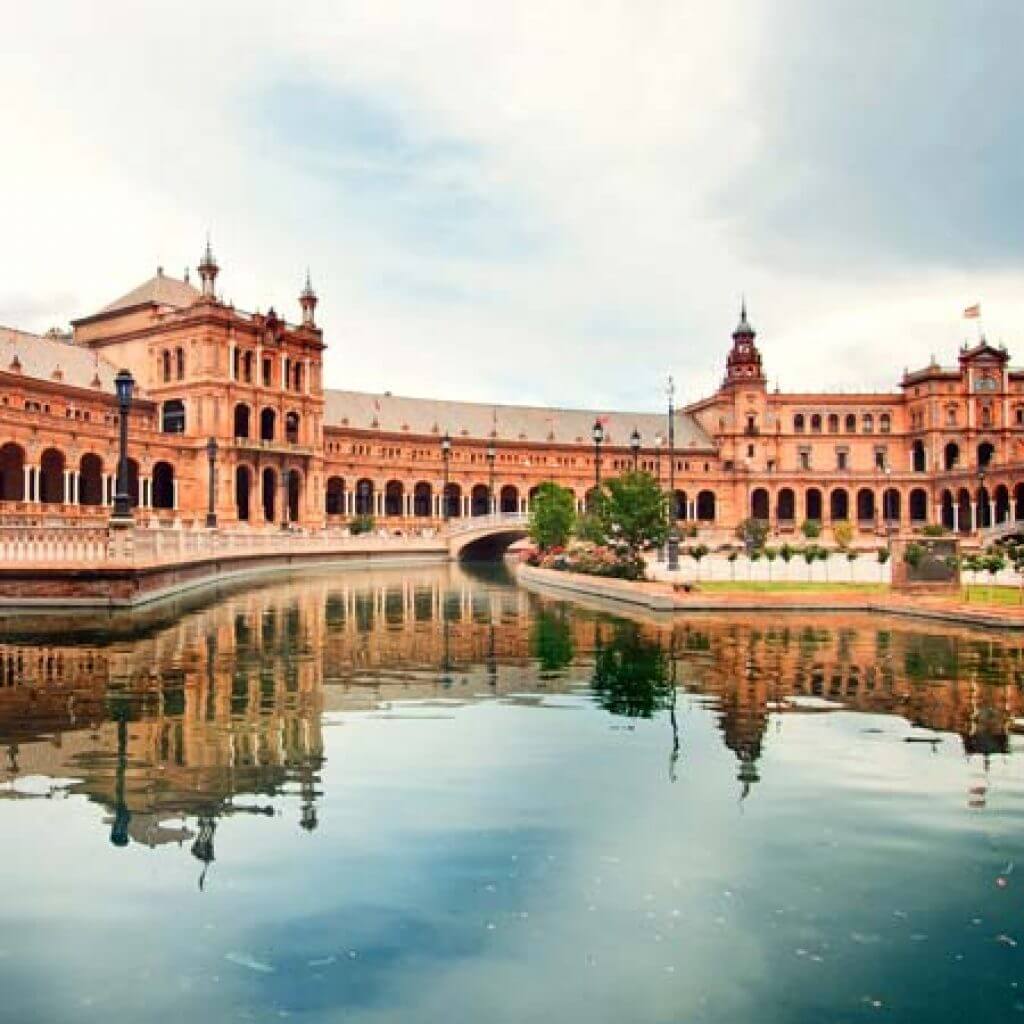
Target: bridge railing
column 468, row 524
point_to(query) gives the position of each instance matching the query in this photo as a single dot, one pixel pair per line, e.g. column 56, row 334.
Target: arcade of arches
column 944, row 445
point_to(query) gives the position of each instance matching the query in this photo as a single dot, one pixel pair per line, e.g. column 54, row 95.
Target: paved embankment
column 661, row 597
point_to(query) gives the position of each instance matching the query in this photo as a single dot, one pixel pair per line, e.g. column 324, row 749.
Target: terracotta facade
column 945, row 445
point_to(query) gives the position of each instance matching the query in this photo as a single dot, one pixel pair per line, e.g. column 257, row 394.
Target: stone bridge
column 484, row 537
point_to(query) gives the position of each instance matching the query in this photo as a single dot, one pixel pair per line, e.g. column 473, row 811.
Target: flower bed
column 591, row 560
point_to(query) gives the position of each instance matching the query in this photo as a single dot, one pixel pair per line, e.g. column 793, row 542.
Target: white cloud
column 602, row 134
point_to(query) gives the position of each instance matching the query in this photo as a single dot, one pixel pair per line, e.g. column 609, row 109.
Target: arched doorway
column 394, row 494
column 268, row 424
column 509, row 500
column 294, row 495
column 786, row 505
column 1002, row 500
column 335, row 496
column 946, row 501
column 268, row 487
column 90, row 480
column 964, row 518
column 813, row 505
column 706, row 506
column 422, row 499
column 243, row 488
column 453, row 501
column 51, row 477
column 865, row 505
column 759, row 504
column 12, row 472
column 479, row 499
column 242, row 420
column 891, row 505
column 163, row 485
column 364, row 497
column 918, row 505
column 839, row 505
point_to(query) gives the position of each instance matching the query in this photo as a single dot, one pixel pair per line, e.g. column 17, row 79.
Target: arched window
column 885, row 423
column 336, row 496
column 90, row 481
column 919, row 505
column 241, row 420
column 422, row 499
column 247, row 364
column 243, row 485
column 867, row 423
column 268, row 424
column 51, row 477
column 951, row 455
column 172, row 416
column 364, row 498
column 798, row 423
column 812, row 505
column 12, row 472
column 394, row 498
column 291, row 428
column 851, row 423
column 165, row 365
column 509, row 500
column 865, row 505
column 918, row 457
column 986, row 451
column 706, row 506
column 786, row 505
column 816, row 423
column 179, row 363
column 479, row 500
column 833, row 423
column 163, row 485
column 839, row 505
column 759, row 504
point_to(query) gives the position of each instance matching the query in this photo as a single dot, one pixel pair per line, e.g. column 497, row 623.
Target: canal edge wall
column 658, row 598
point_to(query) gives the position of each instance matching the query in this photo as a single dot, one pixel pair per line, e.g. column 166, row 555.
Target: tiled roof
column 47, row 358
column 424, row 416
column 161, row 290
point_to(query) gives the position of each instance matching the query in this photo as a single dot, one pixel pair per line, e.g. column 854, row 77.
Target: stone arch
column 509, row 500
column 963, row 501
column 682, row 507
column 90, row 479
column 268, row 493
column 839, row 505
column 163, row 485
column 706, row 506
column 479, row 500
column 813, row 505
column 422, row 500
column 946, row 501
column 243, row 416
column 865, row 505
column 452, row 499
column 918, row 457
column 984, row 507
column 334, row 496
column 243, row 490
column 51, row 477
column 294, row 481
column 892, row 505
column 785, row 505
column 919, row 505
column 1001, row 497
column 12, row 472
column 394, row 498
column 268, row 424
column 759, row 504
column 364, row 497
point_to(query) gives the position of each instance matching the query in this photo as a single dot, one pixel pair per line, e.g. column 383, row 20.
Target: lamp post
column 598, row 435
column 659, row 440
column 211, row 490
column 673, row 535
column 446, row 454
column 634, row 447
column 124, row 385
column 886, row 510
column 492, row 454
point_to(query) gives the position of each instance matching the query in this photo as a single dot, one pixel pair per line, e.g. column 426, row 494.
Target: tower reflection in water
column 200, row 710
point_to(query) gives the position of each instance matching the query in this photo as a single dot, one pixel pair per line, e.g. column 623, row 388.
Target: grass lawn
column 787, row 587
column 977, row 593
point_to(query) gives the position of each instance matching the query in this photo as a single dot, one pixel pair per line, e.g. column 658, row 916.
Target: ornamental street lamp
column 673, row 535
column 211, row 498
column 124, row 384
column 659, row 440
column 492, row 454
column 634, row 447
column 446, row 454
column 598, row 435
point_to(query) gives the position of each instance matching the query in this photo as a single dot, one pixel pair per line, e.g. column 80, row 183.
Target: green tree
column 753, row 533
column 811, row 528
column 551, row 640
column 697, row 552
column 590, row 527
column 552, row 516
column 770, row 555
column 633, row 510
column 631, row 675
column 843, row 534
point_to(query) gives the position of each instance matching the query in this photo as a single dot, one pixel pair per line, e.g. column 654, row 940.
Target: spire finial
column 208, row 269
column 308, row 301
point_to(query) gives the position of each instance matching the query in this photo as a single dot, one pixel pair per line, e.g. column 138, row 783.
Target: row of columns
column 72, row 488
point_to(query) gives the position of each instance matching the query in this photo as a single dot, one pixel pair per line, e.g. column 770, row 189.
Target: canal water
column 429, row 795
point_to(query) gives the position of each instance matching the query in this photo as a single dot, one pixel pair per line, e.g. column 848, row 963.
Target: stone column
column 174, row 494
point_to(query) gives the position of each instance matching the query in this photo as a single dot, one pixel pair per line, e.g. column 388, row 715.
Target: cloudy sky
column 557, row 201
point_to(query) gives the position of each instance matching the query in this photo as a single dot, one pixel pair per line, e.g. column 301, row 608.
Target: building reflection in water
column 213, row 707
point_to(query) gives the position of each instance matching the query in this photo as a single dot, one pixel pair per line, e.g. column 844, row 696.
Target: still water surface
column 428, row 795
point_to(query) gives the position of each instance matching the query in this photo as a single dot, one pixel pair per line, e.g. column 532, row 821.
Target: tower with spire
column 744, row 362
column 308, row 301
column 208, row 271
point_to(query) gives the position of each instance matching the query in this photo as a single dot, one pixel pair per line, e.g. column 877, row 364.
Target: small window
column 885, row 423
column 816, row 423
column 179, row 363
column 842, row 459
column 833, row 423
column 268, row 371
column 851, row 424
column 867, row 423
column 798, row 423
column 173, row 417
column 805, row 458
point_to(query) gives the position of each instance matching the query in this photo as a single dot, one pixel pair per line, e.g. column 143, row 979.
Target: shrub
column 934, row 530
column 589, row 527
column 883, row 555
column 753, row 533
column 843, row 533
column 786, row 552
column 914, row 555
column 361, row 524
column 552, row 516
column 811, row 528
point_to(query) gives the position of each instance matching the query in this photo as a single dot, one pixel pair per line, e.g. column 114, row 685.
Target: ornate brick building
column 946, row 445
